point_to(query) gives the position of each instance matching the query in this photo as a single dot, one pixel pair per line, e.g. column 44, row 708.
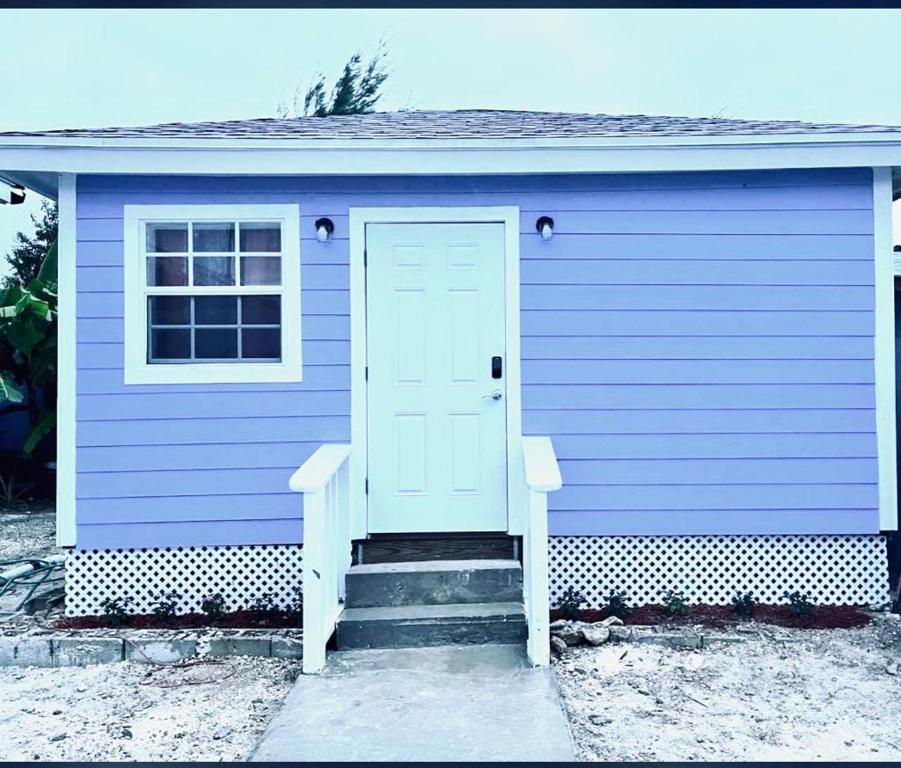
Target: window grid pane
column 175, row 331
column 238, row 327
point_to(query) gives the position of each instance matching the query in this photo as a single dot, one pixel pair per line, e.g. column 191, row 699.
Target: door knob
column 496, row 395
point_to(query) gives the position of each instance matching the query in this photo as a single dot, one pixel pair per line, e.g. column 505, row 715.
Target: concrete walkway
column 460, row 703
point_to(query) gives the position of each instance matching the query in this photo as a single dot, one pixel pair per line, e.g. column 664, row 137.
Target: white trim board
column 282, row 158
column 138, row 370
column 359, row 218
column 884, row 342
column 66, row 364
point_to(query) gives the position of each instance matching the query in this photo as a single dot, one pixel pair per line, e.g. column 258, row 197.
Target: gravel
column 211, row 712
column 28, row 535
column 783, row 694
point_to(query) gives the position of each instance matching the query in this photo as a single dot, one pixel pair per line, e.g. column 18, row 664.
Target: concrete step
column 415, row 626
column 434, row 582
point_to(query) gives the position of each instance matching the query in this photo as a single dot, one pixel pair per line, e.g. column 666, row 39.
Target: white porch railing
column 542, row 475
column 323, row 480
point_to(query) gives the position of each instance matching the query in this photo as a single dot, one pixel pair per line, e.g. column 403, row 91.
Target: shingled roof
column 462, row 124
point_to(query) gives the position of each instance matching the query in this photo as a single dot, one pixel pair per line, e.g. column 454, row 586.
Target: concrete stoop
column 432, row 603
column 78, row 648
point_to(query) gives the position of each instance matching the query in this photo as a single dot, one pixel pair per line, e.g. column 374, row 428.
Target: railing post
column 313, row 586
column 538, row 644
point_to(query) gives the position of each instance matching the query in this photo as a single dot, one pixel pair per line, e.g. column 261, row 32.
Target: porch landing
column 450, row 703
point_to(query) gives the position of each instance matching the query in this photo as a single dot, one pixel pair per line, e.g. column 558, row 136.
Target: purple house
column 503, row 353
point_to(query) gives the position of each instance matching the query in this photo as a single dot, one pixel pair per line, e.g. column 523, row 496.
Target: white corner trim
column 139, row 371
column 66, row 366
column 359, row 218
column 884, row 342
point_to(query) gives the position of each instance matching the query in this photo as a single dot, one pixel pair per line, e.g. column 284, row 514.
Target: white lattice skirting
column 239, row 574
column 711, row 569
column 706, row 569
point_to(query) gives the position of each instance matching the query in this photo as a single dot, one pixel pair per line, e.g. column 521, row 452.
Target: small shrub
column 744, row 604
column 799, row 604
column 294, row 611
column 265, row 603
column 674, row 602
column 115, row 609
column 618, row 605
column 165, row 604
column 213, row 606
column 571, row 602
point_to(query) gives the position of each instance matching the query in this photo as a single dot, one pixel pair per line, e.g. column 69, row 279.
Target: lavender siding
column 699, row 346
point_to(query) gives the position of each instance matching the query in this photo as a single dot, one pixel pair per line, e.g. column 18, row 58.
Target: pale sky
column 96, row 67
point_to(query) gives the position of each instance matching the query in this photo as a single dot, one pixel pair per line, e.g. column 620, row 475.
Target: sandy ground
column 32, row 535
column 782, row 694
column 115, row 712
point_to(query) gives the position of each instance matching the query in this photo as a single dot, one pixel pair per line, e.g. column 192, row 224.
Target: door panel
column 436, row 436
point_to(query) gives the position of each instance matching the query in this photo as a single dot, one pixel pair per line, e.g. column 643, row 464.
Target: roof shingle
column 461, row 124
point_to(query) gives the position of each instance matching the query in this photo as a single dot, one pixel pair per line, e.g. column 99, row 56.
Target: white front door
column 437, row 458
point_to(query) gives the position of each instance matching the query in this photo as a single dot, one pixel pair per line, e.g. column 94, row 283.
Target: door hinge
column 366, row 373
column 367, row 486
column 365, row 258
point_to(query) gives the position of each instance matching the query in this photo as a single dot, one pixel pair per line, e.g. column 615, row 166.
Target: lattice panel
column 711, row 569
column 240, row 574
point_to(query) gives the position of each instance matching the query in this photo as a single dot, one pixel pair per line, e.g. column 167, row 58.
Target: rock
column 599, row 720
column 219, row 735
column 892, row 668
column 558, row 625
column 611, row 621
column 570, row 635
column 58, row 737
column 595, row 635
column 620, row 633
column 558, row 646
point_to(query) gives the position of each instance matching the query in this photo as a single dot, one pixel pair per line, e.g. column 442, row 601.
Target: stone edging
column 67, row 648
column 566, row 634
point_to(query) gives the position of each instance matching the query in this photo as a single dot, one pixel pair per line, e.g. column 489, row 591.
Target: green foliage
column 570, row 605
column 264, row 603
column 213, row 605
column 11, row 491
column 294, row 611
column 28, row 253
column 800, row 604
column 115, row 609
column 618, row 605
column 356, row 91
column 674, row 602
column 165, row 605
column 28, row 350
column 744, row 604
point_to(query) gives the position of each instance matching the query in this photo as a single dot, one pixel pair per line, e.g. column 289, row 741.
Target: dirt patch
column 722, row 616
column 129, row 711
column 783, row 694
column 23, row 536
column 235, row 620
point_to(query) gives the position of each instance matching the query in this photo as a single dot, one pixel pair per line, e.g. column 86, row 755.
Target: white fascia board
column 281, row 158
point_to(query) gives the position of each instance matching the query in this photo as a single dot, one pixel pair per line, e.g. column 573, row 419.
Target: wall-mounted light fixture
column 545, row 227
column 11, row 194
column 324, row 229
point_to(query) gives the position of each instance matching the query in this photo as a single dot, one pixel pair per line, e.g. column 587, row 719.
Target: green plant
column 799, row 604
column 213, row 605
column 11, row 491
column 28, row 342
column 265, row 603
column 294, row 611
column 115, row 609
column 570, row 605
column 674, row 602
column 165, row 605
column 618, row 605
column 744, row 604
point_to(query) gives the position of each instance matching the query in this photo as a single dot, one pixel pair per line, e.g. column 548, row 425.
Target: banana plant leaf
column 44, row 425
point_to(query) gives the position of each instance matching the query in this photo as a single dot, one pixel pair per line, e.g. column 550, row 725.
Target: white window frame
column 138, row 370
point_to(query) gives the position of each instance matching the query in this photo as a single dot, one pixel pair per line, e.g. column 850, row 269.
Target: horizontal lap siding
column 699, row 347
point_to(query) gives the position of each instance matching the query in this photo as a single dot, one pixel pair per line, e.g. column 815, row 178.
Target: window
column 212, row 294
